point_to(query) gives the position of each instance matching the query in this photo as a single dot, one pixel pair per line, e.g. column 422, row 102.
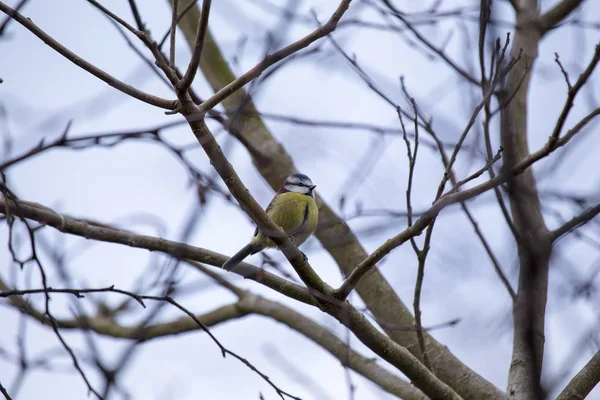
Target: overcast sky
column 136, row 184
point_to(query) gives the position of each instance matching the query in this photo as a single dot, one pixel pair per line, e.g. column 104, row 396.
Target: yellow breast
column 297, row 214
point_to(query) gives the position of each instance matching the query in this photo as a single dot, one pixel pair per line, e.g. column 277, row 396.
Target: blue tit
column 294, row 209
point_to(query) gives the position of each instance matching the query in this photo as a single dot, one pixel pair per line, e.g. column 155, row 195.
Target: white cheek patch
column 296, row 188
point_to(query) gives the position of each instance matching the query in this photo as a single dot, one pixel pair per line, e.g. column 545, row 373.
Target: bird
column 293, row 209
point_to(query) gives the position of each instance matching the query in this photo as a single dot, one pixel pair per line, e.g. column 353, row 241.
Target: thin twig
column 572, row 93
column 173, row 33
column 452, row 198
column 271, row 59
column 136, row 15
column 4, row 392
column 190, row 73
column 7, row 20
column 80, row 62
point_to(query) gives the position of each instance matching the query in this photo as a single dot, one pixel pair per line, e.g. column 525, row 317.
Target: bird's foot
column 304, row 256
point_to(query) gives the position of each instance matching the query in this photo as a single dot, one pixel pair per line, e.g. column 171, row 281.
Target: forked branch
column 80, row 62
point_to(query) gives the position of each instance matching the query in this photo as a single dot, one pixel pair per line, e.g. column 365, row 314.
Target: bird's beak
column 312, row 187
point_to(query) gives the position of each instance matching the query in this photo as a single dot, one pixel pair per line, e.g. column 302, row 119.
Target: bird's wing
column 269, row 207
column 302, row 225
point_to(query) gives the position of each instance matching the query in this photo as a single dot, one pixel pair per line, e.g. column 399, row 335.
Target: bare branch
column 4, row 392
column 7, row 20
column 116, row 18
column 458, row 69
column 420, row 253
column 572, row 92
column 190, row 73
column 136, row 15
column 247, row 305
column 558, row 13
column 80, row 62
column 160, row 60
column 89, row 230
column 576, row 222
column 173, row 33
column 271, row 59
column 147, row 332
column 449, row 198
column 273, row 162
column 582, row 384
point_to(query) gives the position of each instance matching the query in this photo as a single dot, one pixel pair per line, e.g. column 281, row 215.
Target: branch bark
column 535, row 240
column 534, row 244
column 576, row 222
column 274, row 164
column 190, row 73
column 582, row 384
column 249, row 304
column 104, row 233
column 279, row 55
column 558, row 13
column 344, row 312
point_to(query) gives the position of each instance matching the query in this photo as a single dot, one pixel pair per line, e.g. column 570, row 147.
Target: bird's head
column 299, row 183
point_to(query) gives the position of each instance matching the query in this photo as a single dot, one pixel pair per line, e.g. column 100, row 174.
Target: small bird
column 294, row 209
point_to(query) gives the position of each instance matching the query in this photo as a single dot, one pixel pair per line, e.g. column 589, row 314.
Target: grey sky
column 42, row 91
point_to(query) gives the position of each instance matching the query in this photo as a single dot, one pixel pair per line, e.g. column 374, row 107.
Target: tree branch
column 88, row 230
column 190, row 73
column 451, row 197
column 274, row 163
column 558, row 13
column 393, row 353
column 582, row 384
column 7, row 20
column 533, row 244
column 80, row 62
column 572, row 93
column 576, row 222
column 173, row 34
column 136, row 15
column 249, row 304
column 4, row 392
column 271, row 59
column 233, row 182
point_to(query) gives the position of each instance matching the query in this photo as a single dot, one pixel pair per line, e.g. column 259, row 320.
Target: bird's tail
column 239, row 257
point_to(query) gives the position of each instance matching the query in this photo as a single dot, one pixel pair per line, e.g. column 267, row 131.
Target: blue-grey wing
column 269, row 207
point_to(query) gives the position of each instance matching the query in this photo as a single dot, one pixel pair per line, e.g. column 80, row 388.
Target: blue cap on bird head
column 300, row 176
column 299, row 183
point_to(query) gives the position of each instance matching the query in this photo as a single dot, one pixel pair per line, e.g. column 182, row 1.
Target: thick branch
column 393, row 353
column 555, row 15
column 66, row 224
column 582, row 384
column 249, row 304
column 336, row 347
column 80, row 62
column 534, row 245
column 274, row 164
